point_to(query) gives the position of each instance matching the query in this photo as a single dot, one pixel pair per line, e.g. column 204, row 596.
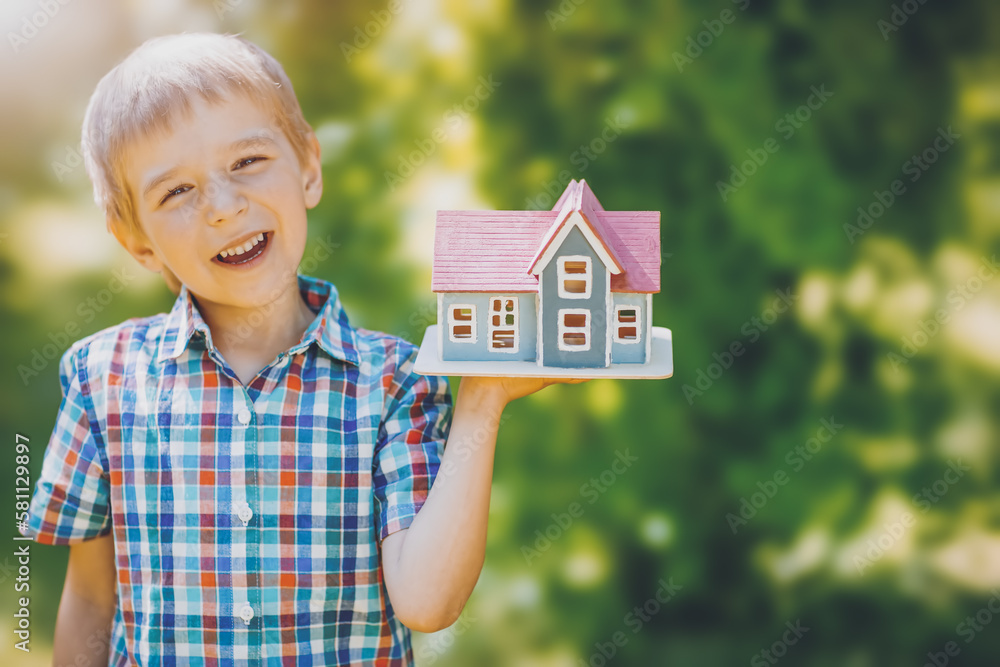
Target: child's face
column 220, row 178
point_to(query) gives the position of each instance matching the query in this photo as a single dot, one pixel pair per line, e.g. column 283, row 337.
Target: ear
column 312, row 173
column 137, row 245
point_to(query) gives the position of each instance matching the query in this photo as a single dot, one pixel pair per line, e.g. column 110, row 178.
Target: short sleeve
column 410, row 444
column 70, row 502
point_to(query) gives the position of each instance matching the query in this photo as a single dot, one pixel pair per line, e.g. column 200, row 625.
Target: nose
column 221, row 200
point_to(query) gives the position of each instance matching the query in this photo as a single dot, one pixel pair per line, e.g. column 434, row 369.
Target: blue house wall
column 574, row 244
column 629, row 352
column 479, row 350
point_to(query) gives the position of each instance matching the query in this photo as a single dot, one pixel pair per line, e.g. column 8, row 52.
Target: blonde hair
column 144, row 93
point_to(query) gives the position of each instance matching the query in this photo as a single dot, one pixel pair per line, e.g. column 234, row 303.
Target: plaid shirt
column 246, row 520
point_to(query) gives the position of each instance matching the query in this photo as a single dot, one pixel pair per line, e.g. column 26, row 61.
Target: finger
column 551, row 381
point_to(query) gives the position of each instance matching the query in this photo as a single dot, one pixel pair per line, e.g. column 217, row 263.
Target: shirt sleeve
column 70, row 502
column 410, row 444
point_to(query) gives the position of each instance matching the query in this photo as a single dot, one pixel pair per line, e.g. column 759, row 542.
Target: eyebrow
column 255, row 141
column 153, row 184
column 248, row 143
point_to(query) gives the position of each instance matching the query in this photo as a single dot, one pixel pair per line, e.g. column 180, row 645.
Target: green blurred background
column 740, row 501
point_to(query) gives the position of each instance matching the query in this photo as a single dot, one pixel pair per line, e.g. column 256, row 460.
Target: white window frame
column 452, row 322
column 587, row 276
column 563, row 329
column 491, row 328
column 638, row 325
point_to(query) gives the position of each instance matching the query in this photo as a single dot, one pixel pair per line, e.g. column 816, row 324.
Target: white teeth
column 240, row 249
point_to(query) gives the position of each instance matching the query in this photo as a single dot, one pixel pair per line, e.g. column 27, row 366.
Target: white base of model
column 659, row 365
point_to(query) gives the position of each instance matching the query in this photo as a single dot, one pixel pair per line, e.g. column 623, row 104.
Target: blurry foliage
column 564, row 70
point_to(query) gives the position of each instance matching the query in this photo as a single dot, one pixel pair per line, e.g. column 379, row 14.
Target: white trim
column 440, row 331
column 608, row 301
column 539, row 339
column 649, row 327
column 616, row 325
column 562, row 276
column 575, row 220
column 563, row 329
column 452, row 322
column 491, row 328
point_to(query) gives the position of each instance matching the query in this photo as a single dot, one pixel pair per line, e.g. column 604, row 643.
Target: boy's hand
column 507, row 389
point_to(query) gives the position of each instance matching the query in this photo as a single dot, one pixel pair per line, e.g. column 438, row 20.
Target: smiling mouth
column 244, row 253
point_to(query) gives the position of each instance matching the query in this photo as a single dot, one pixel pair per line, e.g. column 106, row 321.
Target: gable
column 575, row 244
column 575, row 221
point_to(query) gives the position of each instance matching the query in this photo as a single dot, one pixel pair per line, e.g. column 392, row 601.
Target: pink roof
column 493, row 251
column 574, row 199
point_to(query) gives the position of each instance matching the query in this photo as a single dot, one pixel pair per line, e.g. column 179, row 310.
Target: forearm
column 83, row 628
column 445, row 546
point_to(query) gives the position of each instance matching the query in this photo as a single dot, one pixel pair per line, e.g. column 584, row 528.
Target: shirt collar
column 330, row 328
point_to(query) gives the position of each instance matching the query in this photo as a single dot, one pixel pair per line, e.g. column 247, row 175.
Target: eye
column 248, row 161
column 176, row 191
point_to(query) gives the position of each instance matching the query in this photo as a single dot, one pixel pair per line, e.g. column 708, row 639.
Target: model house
column 570, row 288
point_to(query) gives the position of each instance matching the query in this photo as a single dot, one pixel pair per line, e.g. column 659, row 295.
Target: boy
column 247, row 499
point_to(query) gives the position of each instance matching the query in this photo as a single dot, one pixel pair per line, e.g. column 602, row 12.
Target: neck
column 262, row 331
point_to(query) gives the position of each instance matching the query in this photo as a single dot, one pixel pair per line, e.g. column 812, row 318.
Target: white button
column 246, row 613
column 245, row 514
column 244, row 416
